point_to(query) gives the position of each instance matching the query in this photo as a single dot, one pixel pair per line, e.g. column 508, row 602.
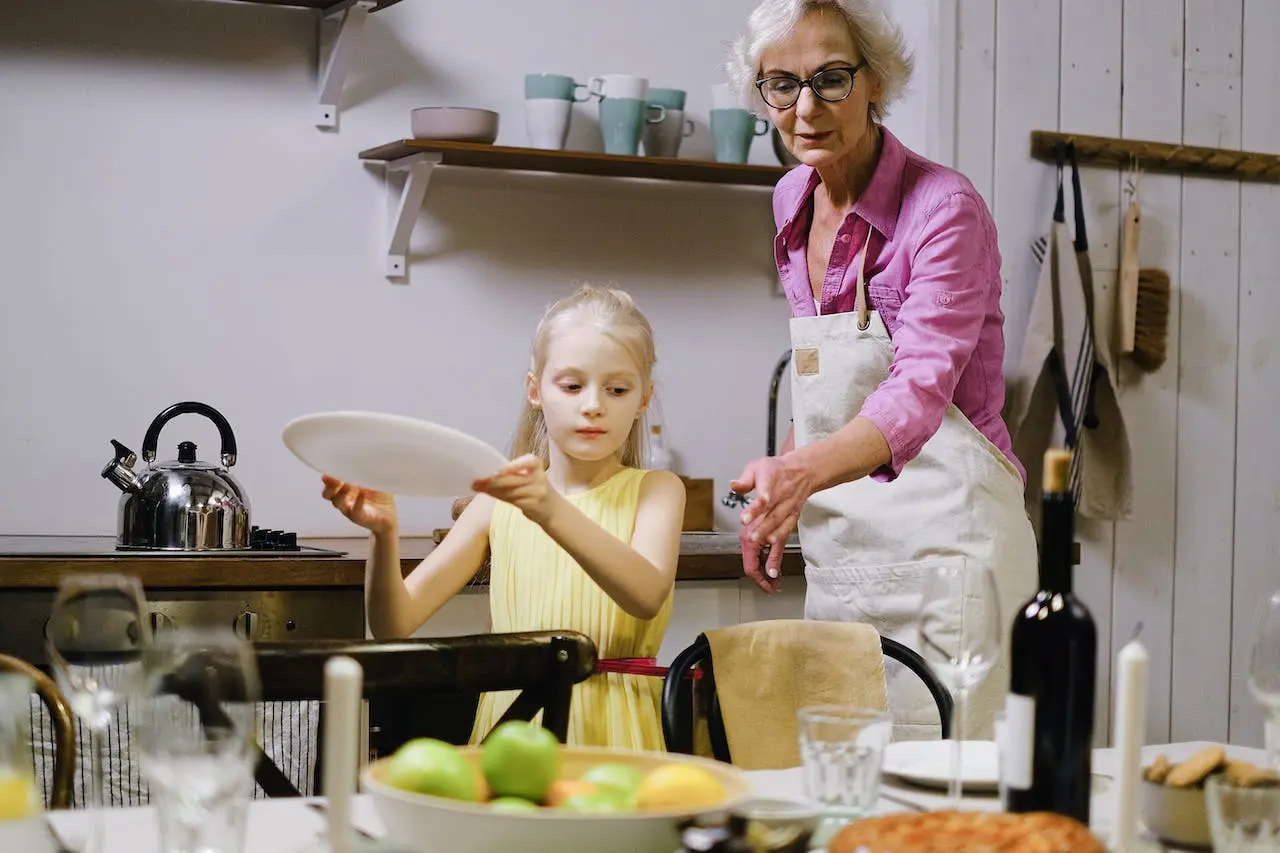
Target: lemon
column 17, row 796
column 679, row 786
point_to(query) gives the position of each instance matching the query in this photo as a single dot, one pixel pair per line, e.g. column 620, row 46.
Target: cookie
column 1242, row 774
column 1194, row 770
column 1158, row 770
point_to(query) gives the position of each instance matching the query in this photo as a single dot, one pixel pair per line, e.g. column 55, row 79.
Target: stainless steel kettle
column 183, row 504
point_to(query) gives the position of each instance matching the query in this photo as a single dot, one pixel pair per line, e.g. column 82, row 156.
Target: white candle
column 342, row 684
column 1131, row 714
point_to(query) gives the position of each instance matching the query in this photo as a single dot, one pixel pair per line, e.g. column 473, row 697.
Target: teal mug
column 548, row 108
column 558, row 87
column 622, row 120
column 732, row 132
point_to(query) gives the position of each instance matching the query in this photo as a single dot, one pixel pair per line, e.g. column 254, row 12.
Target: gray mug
column 662, row 139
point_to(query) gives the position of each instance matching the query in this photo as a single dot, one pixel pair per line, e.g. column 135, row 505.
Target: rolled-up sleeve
column 943, row 309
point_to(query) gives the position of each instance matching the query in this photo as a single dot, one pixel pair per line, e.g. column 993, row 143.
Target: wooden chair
column 64, row 729
column 678, row 695
column 427, row 687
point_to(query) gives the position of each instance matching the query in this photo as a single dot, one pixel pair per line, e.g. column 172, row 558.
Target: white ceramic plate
column 928, row 763
column 392, row 453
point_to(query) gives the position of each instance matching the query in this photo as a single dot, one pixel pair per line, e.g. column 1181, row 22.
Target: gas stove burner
column 272, row 540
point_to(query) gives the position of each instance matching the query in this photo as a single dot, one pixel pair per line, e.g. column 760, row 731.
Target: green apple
column 621, row 779
column 520, row 759
column 513, row 804
column 598, row 803
column 429, row 766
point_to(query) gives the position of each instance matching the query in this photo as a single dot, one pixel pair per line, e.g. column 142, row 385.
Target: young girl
column 581, row 537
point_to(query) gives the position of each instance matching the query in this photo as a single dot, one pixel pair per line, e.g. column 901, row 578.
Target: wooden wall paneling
column 1257, row 498
column 1206, row 461
column 975, row 95
column 1026, row 97
column 1089, row 102
column 1144, row 546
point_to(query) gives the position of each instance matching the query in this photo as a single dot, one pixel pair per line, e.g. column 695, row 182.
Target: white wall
column 1184, row 573
column 175, row 228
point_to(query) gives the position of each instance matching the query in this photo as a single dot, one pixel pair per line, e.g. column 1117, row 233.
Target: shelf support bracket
column 418, row 169
column 352, row 14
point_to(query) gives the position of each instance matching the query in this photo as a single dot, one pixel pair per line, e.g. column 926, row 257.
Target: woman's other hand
column 374, row 511
column 781, row 486
column 523, row 483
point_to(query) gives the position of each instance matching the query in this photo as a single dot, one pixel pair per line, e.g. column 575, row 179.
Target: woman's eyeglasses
column 831, row 85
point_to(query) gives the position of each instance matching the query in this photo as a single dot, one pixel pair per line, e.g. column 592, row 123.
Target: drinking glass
column 1264, row 672
column 95, row 637
column 841, row 751
column 959, row 636
column 1242, row 820
column 194, row 726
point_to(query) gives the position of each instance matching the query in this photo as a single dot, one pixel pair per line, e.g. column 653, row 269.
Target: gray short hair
column 877, row 36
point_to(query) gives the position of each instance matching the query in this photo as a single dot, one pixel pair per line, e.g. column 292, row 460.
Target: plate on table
column 927, row 763
column 392, row 453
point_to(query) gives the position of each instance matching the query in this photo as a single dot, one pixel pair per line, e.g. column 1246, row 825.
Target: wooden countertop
column 37, row 562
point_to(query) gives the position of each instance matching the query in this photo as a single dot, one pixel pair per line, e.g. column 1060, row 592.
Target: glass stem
column 956, row 787
column 95, row 844
column 1272, row 741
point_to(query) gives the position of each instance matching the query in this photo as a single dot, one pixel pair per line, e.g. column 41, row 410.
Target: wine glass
column 194, row 725
column 959, row 636
column 1264, row 672
column 95, row 637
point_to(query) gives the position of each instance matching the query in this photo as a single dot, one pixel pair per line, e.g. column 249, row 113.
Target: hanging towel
column 1062, row 394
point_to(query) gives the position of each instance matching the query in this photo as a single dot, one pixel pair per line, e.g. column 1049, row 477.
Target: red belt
column 638, row 666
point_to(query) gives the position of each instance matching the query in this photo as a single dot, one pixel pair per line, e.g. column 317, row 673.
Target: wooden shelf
column 322, row 5
column 477, row 155
column 1159, row 156
column 419, row 157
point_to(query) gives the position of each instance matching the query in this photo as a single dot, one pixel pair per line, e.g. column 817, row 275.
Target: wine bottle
column 1047, row 741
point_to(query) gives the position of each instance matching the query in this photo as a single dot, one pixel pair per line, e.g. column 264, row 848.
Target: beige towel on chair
column 766, row 671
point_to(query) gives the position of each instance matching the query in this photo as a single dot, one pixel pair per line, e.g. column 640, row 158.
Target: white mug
column 547, row 121
column 619, row 86
column 723, row 98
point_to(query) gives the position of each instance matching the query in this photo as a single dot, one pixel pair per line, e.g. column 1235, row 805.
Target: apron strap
column 861, row 302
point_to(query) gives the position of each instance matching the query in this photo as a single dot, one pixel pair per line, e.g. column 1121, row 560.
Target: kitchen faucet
column 733, row 499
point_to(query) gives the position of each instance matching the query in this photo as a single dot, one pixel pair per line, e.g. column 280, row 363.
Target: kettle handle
column 152, row 437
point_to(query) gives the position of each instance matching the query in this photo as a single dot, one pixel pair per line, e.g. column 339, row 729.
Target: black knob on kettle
column 187, row 452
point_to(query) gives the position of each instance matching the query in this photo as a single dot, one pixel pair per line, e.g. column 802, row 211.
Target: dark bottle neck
column 1057, row 541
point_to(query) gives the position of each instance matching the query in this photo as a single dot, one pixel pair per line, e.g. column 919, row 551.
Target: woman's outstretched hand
column 523, row 483
column 781, row 488
column 374, row 511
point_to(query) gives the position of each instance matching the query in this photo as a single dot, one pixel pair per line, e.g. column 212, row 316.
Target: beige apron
column 870, row 546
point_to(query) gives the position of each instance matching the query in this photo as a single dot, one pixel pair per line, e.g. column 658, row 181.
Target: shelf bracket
column 352, row 15
column 418, row 169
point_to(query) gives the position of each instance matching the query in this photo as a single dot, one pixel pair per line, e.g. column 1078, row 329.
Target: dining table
column 295, row 825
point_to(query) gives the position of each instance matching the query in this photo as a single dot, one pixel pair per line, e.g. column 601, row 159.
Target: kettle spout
column 120, row 469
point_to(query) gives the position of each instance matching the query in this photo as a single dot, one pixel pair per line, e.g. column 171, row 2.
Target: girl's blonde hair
column 879, row 40
column 615, row 314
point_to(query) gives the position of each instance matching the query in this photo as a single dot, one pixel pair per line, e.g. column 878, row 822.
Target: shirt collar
column 880, row 201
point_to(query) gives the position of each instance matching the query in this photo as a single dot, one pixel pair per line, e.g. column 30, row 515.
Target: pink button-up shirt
column 933, row 273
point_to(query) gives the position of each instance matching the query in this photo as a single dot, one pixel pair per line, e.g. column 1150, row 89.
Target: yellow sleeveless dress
column 534, row 585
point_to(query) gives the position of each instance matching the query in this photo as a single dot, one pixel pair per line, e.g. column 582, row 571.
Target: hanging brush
column 1143, row 295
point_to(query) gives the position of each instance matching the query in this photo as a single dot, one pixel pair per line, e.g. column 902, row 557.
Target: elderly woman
column 898, row 467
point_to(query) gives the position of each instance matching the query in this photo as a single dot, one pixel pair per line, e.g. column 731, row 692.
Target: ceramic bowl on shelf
column 458, row 124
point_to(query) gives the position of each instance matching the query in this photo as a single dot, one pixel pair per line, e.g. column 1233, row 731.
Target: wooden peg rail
column 1159, row 156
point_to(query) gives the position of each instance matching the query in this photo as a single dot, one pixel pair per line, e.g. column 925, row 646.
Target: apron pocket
column 886, row 596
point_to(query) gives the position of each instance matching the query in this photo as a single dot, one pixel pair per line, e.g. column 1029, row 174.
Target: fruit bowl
column 432, row 824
